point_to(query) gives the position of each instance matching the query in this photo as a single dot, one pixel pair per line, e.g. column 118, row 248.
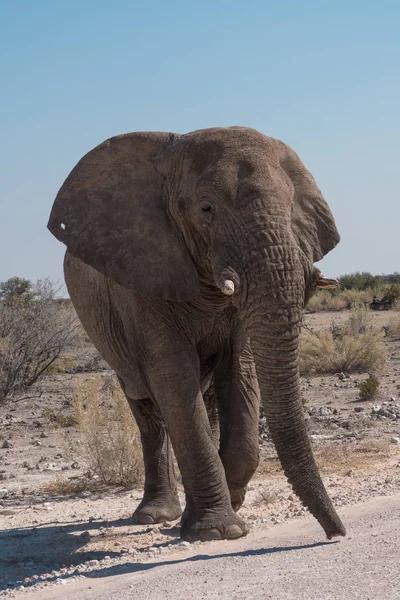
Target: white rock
column 395, row 440
column 85, row 494
column 93, row 563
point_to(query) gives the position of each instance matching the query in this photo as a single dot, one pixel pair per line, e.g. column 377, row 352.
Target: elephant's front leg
column 175, row 383
column 160, row 500
column 238, row 397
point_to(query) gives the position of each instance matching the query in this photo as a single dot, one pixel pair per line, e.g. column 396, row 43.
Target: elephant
column 189, row 260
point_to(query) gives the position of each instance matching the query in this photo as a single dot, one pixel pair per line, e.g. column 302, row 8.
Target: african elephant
column 189, row 260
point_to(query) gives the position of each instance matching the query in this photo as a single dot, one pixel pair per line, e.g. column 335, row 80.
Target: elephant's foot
column 157, row 508
column 237, row 497
column 212, row 525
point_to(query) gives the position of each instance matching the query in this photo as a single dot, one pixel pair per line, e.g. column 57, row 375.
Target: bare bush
column 352, row 347
column 36, row 329
column 265, row 497
column 393, row 332
column 112, row 438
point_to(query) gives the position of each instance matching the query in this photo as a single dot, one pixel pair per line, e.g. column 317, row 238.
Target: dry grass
column 269, row 465
column 394, row 329
column 354, row 346
column 111, row 436
column 60, row 365
column 324, row 300
column 265, row 498
column 340, row 458
column 334, row 457
column 67, row 486
column 58, row 420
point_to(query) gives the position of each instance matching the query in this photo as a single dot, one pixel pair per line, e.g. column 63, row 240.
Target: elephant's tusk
column 228, row 287
column 324, row 282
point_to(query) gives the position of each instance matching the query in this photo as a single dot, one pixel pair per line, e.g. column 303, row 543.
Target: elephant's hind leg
column 160, row 500
column 211, row 404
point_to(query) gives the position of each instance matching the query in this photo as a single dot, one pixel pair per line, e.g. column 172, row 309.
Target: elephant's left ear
column 111, row 214
column 312, row 221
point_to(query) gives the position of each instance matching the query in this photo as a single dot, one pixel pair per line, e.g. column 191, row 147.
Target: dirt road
column 286, row 562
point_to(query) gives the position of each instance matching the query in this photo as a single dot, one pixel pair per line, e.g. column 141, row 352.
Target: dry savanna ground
column 71, row 472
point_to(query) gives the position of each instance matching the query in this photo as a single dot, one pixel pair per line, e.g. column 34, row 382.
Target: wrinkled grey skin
column 154, row 224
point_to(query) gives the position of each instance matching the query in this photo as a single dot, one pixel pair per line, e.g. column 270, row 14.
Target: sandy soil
column 48, row 541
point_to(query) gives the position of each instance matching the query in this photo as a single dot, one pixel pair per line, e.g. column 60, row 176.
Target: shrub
column 58, row 420
column 62, row 365
column 35, row 330
column 359, row 281
column 369, row 388
column 331, row 300
column 355, row 298
column 392, row 294
column 265, row 497
column 325, row 300
column 393, row 330
column 112, row 438
column 48, row 413
column 74, row 485
column 351, row 347
column 15, row 288
column 360, row 321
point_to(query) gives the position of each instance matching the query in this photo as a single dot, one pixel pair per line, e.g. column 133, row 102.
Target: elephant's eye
column 206, row 211
column 206, row 208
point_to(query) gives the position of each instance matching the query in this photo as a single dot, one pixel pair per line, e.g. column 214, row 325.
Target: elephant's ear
column 312, row 221
column 110, row 214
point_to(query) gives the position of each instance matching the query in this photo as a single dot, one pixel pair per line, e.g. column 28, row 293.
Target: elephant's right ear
column 110, row 214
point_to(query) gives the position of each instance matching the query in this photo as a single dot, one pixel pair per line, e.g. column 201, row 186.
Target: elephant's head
column 226, row 208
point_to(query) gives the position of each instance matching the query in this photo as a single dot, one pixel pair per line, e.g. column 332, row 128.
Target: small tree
column 392, row 294
column 35, row 330
column 15, row 289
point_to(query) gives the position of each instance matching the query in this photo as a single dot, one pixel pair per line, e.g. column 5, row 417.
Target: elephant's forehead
column 222, row 167
column 231, row 147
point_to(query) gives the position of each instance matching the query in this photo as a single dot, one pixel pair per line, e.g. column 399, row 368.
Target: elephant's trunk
column 273, row 323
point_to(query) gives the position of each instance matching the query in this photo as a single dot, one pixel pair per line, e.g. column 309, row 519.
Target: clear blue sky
column 322, row 76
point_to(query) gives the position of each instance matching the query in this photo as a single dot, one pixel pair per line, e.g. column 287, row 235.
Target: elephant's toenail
column 145, row 519
column 234, row 531
column 211, row 534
